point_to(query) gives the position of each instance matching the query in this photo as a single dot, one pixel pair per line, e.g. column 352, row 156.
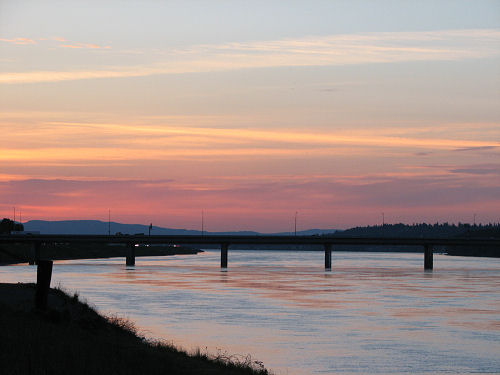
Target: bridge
column 225, row 241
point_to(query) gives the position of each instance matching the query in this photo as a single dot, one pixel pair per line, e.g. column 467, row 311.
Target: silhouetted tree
column 7, row 226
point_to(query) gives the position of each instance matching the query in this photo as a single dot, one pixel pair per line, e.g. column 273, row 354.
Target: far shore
column 18, row 253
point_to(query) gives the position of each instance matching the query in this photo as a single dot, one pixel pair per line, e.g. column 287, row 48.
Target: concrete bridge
column 225, row 241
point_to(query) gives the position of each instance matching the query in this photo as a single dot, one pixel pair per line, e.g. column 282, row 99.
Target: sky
column 250, row 111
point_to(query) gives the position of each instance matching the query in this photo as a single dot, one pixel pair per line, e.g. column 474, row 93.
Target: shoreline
column 18, row 253
column 72, row 337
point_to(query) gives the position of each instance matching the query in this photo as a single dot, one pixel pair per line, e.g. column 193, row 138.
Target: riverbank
column 71, row 337
column 19, row 253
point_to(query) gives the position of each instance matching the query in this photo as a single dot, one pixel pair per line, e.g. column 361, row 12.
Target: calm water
column 373, row 313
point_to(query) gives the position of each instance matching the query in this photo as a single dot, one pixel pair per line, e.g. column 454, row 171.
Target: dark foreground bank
column 72, row 338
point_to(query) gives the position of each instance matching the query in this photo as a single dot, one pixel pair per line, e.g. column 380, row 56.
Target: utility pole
column 383, row 219
column 109, row 222
column 296, row 222
column 474, row 219
column 14, row 214
column 202, row 222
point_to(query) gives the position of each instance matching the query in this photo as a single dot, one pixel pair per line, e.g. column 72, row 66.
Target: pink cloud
column 83, row 46
column 265, row 205
column 70, row 46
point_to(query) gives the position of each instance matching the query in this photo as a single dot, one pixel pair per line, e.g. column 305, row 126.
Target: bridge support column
column 328, row 256
column 34, row 253
column 428, row 257
column 223, row 255
column 130, row 254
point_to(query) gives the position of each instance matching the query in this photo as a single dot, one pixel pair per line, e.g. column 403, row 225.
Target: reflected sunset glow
column 372, row 313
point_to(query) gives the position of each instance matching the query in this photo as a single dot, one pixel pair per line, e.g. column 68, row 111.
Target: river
column 377, row 313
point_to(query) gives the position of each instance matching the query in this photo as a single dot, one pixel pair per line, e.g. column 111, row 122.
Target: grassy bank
column 72, row 338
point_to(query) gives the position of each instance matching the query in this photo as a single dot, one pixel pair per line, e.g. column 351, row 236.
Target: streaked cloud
column 83, row 46
column 481, row 169
column 57, row 76
column 478, row 148
column 69, row 141
column 348, row 49
column 21, row 41
column 63, row 43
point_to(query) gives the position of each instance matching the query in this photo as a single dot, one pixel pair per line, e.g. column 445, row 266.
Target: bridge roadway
column 225, row 241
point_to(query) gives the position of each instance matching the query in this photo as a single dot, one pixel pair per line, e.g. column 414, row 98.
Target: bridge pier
column 223, row 255
column 130, row 260
column 428, row 257
column 34, row 253
column 328, row 256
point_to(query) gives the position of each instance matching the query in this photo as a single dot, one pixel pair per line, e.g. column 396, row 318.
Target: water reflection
column 373, row 313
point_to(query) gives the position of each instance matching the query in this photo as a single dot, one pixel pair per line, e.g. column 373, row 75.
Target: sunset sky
column 250, row 111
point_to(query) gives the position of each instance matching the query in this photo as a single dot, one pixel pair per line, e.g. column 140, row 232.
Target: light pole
column 202, row 223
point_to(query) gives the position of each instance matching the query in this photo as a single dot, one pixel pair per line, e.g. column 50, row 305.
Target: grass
column 72, row 338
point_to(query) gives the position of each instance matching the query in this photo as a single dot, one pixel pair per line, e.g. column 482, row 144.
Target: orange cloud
column 361, row 137
column 18, row 41
column 68, row 142
column 76, row 45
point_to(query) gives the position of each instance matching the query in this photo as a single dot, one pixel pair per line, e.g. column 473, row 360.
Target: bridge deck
column 236, row 239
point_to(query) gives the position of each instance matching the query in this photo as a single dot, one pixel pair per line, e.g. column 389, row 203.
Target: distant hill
column 101, row 227
column 95, row 227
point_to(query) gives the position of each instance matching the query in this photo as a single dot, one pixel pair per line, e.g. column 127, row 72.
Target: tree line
column 425, row 230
